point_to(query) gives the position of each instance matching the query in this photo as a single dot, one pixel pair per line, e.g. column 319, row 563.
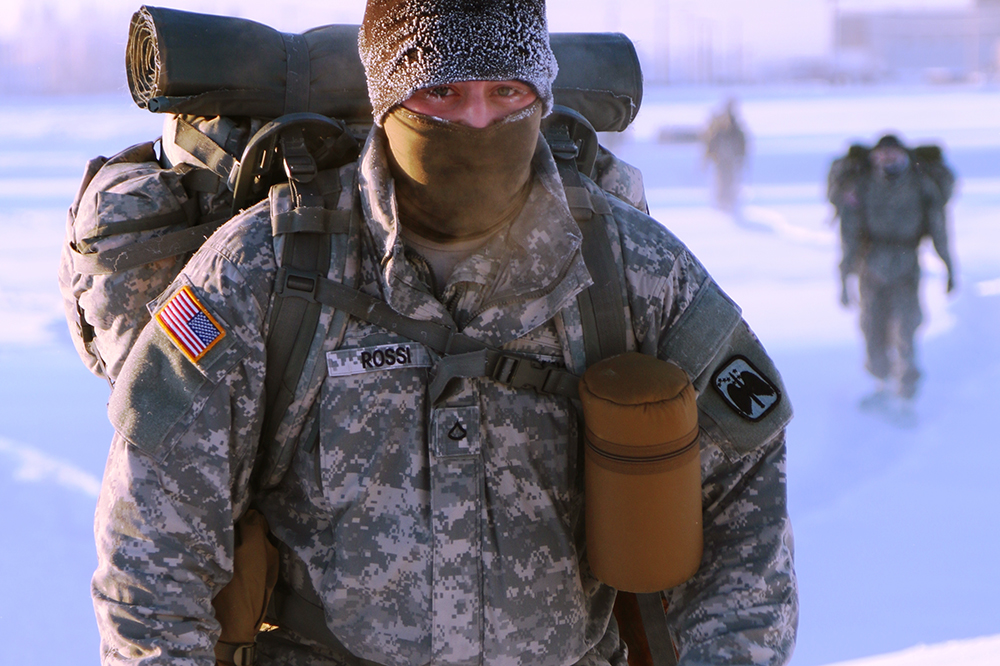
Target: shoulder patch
column 748, row 391
column 193, row 330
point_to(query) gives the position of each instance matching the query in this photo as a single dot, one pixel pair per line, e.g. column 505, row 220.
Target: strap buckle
column 242, row 654
column 300, row 284
column 561, row 143
column 522, row 373
column 572, row 138
column 298, row 161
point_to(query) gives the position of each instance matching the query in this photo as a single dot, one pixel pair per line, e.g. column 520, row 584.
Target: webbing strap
column 470, row 364
column 204, row 149
column 464, row 356
column 242, row 654
column 308, row 234
column 312, row 220
column 291, row 610
column 297, row 73
column 654, row 621
column 187, row 215
column 579, row 202
column 440, row 338
column 513, row 371
column 202, row 180
column 171, row 244
column 602, row 309
column 293, row 325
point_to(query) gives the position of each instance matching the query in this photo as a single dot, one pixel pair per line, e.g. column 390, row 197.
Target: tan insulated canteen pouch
column 642, row 473
column 240, row 605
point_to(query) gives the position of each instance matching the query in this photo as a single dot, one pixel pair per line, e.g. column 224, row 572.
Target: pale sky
column 765, row 28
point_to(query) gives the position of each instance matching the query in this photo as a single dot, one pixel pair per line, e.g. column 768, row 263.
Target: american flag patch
column 189, row 325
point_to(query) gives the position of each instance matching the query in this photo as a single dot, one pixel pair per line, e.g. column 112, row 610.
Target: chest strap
column 464, row 356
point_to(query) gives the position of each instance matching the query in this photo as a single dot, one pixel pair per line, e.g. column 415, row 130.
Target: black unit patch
column 746, row 389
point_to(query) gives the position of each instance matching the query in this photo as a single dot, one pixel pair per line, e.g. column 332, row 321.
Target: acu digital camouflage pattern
column 446, row 533
column 115, row 193
column 127, row 199
column 620, row 179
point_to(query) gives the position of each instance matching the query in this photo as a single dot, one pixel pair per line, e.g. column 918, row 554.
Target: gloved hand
column 845, row 294
column 241, row 604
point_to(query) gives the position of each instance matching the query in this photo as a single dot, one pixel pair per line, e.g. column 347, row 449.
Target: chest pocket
column 371, row 415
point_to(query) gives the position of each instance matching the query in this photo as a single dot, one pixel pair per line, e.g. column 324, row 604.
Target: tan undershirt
column 442, row 257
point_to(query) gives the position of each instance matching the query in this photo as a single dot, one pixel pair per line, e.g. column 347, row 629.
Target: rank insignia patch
column 189, row 325
column 746, row 389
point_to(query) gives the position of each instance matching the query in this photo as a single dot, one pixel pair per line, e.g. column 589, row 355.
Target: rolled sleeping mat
column 206, row 65
column 642, row 473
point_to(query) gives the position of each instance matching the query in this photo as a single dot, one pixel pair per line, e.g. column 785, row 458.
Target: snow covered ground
column 897, row 528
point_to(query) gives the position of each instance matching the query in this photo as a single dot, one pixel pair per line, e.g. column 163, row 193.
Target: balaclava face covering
column 890, row 157
column 407, row 45
column 455, row 182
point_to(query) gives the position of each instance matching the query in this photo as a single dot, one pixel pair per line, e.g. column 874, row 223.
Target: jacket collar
column 517, row 281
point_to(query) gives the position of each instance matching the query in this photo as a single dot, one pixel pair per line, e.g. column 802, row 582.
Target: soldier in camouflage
column 887, row 204
column 726, row 148
column 417, row 529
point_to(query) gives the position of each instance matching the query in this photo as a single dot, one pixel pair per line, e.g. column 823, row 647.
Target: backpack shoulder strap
column 312, row 233
column 602, row 307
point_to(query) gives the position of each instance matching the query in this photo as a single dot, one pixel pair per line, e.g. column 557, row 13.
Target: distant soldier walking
column 888, row 199
column 726, row 147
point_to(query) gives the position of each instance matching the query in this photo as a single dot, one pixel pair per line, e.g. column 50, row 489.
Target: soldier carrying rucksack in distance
column 888, row 199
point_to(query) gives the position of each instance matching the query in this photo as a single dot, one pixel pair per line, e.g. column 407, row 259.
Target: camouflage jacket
column 725, row 141
column 882, row 222
column 422, row 545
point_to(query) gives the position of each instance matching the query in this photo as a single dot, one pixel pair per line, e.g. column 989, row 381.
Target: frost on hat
column 407, row 45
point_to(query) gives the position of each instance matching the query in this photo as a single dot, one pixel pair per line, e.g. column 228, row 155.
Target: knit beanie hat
column 407, row 45
column 889, row 141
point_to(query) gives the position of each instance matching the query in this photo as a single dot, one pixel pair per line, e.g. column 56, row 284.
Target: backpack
column 129, row 231
column 929, row 160
column 139, row 216
column 847, row 171
column 844, row 176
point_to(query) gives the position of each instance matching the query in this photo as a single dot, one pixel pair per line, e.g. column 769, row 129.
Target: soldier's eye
column 439, row 92
column 508, row 92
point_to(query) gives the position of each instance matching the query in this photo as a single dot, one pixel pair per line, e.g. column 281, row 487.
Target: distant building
column 924, row 45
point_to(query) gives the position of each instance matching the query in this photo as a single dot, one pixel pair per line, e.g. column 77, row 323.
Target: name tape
column 345, row 362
